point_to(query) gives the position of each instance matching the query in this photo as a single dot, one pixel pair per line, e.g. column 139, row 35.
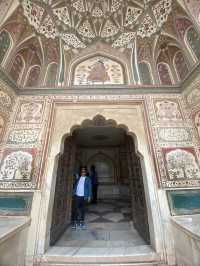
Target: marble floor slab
column 109, row 225
column 110, row 239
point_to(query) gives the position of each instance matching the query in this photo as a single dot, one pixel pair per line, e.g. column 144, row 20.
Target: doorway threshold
column 142, row 255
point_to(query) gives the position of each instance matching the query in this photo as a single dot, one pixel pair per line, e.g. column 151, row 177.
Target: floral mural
column 17, row 166
column 182, row 164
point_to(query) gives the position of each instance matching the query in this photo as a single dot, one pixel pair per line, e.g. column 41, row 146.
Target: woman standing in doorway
column 94, row 180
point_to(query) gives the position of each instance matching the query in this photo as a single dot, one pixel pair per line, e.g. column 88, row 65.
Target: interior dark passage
column 121, row 197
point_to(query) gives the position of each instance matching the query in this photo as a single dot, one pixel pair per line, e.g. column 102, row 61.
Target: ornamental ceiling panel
column 81, row 22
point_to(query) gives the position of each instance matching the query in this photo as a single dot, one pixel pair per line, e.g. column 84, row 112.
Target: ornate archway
column 64, row 122
column 64, row 178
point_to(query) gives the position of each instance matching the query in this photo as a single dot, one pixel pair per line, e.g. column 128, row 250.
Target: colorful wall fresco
column 174, row 131
column 169, row 55
column 98, row 70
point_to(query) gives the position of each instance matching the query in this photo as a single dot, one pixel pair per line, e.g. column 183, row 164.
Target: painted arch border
column 80, row 60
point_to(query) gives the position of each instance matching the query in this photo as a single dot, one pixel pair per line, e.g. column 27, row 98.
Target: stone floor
column 108, row 224
column 109, row 238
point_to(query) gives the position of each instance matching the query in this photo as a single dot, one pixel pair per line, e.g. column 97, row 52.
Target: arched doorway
column 65, row 120
column 121, row 196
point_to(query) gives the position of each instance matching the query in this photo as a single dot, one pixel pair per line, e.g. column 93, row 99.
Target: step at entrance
column 140, row 255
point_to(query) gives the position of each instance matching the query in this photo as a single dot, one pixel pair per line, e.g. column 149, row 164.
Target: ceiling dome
column 80, row 22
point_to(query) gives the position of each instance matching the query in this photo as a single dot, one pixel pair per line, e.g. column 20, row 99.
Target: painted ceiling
column 64, row 43
column 81, row 22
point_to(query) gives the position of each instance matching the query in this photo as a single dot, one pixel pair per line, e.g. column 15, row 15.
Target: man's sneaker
column 74, row 226
column 82, row 226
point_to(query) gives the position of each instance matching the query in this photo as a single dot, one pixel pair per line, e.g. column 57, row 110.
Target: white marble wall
column 13, row 240
column 187, row 240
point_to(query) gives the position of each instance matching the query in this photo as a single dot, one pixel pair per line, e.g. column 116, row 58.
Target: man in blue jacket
column 82, row 192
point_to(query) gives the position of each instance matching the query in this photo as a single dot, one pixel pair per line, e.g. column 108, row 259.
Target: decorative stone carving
column 168, row 110
column 81, row 22
column 194, row 97
column 17, row 166
column 30, row 112
column 182, row 164
column 175, row 134
column 24, row 136
column 5, row 100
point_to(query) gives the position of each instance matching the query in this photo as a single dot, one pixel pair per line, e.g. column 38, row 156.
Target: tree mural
column 17, row 166
column 181, row 164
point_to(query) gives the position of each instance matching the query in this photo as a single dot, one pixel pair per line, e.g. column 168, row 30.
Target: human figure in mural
column 98, row 73
column 94, row 180
column 82, row 192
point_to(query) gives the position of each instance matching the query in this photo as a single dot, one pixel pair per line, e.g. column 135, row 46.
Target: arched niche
column 180, row 65
column 98, row 70
column 165, row 75
column 17, row 68
column 33, row 75
column 51, row 75
column 105, row 167
column 6, row 43
column 192, row 39
column 145, row 73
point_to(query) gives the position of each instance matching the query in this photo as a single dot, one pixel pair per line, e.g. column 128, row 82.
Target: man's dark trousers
column 79, row 208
